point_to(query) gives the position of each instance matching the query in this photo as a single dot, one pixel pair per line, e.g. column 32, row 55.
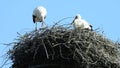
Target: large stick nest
column 62, row 47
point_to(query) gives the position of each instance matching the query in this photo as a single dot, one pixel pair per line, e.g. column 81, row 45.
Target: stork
column 39, row 15
column 78, row 22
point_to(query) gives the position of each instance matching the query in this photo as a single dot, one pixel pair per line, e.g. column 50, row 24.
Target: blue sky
column 16, row 16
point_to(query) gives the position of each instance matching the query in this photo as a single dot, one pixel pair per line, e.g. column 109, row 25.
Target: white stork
column 80, row 23
column 39, row 14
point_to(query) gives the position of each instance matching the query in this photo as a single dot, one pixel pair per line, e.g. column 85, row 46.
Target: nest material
column 62, row 47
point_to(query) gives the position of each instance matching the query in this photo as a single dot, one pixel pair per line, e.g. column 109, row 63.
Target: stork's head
column 78, row 16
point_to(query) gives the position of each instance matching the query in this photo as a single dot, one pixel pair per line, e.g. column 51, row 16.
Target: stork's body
column 39, row 15
column 80, row 23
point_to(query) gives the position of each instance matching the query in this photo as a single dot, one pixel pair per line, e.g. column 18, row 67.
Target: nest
column 63, row 47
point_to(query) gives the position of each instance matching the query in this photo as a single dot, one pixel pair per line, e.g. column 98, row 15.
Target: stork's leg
column 43, row 24
column 36, row 26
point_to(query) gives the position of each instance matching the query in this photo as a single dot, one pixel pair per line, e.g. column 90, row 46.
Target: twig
column 45, row 49
column 4, row 63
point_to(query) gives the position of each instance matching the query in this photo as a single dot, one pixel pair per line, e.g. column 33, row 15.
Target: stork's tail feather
column 91, row 27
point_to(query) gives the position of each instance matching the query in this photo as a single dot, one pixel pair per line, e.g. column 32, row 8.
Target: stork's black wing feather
column 34, row 18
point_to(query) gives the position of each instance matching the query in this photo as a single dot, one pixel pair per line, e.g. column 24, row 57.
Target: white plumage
column 39, row 15
column 81, row 23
